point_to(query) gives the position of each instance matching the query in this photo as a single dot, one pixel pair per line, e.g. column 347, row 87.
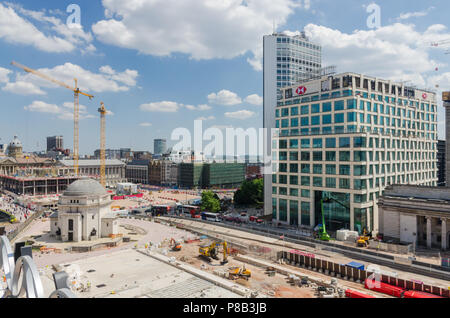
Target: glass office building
column 347, row 137
column 287, row 61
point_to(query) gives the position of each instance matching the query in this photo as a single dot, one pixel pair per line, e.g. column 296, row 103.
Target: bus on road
column 209, row 216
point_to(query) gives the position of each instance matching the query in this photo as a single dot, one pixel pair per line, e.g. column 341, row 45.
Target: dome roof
column 85, row 187
column 15, row 143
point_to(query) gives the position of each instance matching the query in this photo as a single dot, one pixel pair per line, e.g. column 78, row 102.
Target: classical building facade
column 415, row 214
column 114, row 170
column 84, row 213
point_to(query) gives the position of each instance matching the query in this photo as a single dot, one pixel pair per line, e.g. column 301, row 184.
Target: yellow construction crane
column 76, row 110
column 102, row 111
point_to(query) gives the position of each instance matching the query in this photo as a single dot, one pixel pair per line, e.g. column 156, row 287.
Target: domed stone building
column 15, row 149
column 84, row 213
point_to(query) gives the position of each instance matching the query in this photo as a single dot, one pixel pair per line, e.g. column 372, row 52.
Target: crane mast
column 102, row 111
column 76, row 110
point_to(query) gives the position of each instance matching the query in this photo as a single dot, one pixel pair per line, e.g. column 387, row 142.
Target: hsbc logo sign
column 301, row 90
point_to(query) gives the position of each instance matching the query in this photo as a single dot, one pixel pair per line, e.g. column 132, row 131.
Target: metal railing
column 22, row 276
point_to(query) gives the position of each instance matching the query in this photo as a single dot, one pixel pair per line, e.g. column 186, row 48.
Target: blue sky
column 195, row 58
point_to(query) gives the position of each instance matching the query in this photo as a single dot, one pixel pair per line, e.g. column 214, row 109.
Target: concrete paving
column 129, row 274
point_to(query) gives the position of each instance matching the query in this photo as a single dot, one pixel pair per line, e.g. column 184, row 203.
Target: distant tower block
column 446, row 100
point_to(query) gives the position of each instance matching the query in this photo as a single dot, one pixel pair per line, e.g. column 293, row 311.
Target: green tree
column 250, row 193
column 210, row 202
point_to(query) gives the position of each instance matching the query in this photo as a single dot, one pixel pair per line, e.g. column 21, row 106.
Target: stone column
column 444, row 234
column 428, row 231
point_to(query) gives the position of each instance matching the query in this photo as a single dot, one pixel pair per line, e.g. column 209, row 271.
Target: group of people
column 7, row 203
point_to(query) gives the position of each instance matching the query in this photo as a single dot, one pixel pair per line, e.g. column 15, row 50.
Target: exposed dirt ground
column 276, row 286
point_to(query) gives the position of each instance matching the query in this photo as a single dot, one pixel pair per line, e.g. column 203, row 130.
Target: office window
column 339, row 118
column 305, row 110
column 293, row 192
column 306, row 168
column 284, row 123
column 326, row 107
column 293, row 167
column 330, row 156
column 344, row 170
column 293, row 156
column 305, row 181
column 293, row 143
column 344, row 183
column 306, row 193
column 294, row 111
column 306, row 143
column 317, row 169
column 351, row 103
column 317, row 143
column 351, row 117
column 360, row 156
column 317, row 156
column 305, row 121
column 344, row 142
column 305, row 156
column 317, row 181
column 293, row 180
column 294, row 122
column 315, row 120
column 330, row 182
column 330, row 169
column 359, row 170
column 331, row 142
column 283, row 144
column 326, row 119
column 315, row 108
column 339, row 105
column 359, row 142
column 344, row 155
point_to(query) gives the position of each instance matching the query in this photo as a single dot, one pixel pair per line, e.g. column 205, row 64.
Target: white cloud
column 145, row 124
column 16, row 29
column 224, row 97
column 199, row 107
column 87, row 81
column 65, row 112
column 202, row 29
column 4, row 75
column 254, row 99
column 241, row 114
column 163, row 107
column 407, row 15
column 206, row 118
column 42, row 107
column 392, row 51
column 23, row 88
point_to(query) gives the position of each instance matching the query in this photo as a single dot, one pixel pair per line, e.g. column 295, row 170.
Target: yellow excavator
column 209, row 252
column 239, row 272
column 363, row 240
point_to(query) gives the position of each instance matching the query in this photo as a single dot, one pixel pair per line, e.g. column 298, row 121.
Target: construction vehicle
column 323, row 235
column 239, row 272
column 175, row 245
column 76, row 112
column 209, row 252
column 363, row 240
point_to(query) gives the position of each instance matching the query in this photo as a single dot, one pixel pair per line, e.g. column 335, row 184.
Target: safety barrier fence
column 356, row 274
